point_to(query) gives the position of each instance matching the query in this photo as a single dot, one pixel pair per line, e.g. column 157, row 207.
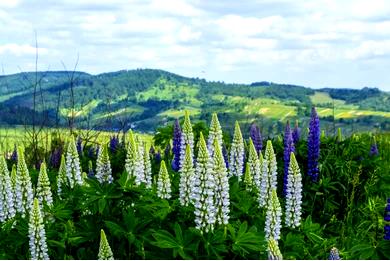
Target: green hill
column 145, row 98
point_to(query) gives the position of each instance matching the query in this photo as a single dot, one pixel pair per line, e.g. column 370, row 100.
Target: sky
column 318, row 43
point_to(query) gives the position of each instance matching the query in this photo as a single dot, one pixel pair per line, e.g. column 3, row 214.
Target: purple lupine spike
column 387, row 232
column 176, row 146
column 256, row 137
column 374, row 148
column 79, row 146
column 14, row 155
column 288, row 148
column 90, row 174
column 167, row 151
column 91, row 152
column 158, row 157
column 55, row 158
column 387, row 210
column 114, row 143
column 225, row 155
column 152, row 151
column 296, row 134
column 334, row 254
column 313, row 146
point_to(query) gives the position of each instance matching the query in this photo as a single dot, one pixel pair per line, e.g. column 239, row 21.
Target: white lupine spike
column 7, row 209
column 61, row 177
column 105, row 252
column 13, row 185
column 203, row 189
column 163, row 182
column 258, row 175
column 103, row 166
column 273, row 219
column 73, row 169
column 140, row 175
column 37, row 234
column 147, row 168
column 187, row 137
column 131, row 163
column 186, row 178
column 221, row 188
column 252, row 171
column 293, row 194
column 23, row 186
column 269, row 175
column 43, row 187
column 237, row 151
column 215, row 132
column 273, row 250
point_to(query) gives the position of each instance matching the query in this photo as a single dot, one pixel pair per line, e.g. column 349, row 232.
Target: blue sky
column 313, row 43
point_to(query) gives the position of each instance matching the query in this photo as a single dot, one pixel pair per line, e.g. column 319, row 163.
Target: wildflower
column 37, row 234
column 237, row 152
column 131, row 162
column 147, row 169
column 61, row 178
column 334, row 254
column 273, row 250
column 90, row 169
column 13, row 185
column 273, row 217
column 158, row 157
column 293, row 194
column 387, row 232
column 186, row 178
column 140, row 177
column 203, row 189
column 103, row 166
column 105, row 252
column 91, row 152
column 252, row 166
column 43, row 187
column 258, row 175
column 14, row 155
column 387, row 210
column 187, row 137
column 152, row 151
column 23, row 187
column 7, row 209
column 221, row 187
column 79, row 146
column 288, row 148
column 176, row 146
column 374, row 148
column 313, row 146
column 55, row 157
column 296, row 134
column 114, row 143
column 73, row 169
column 163, row 182
column 225, row 156
column 268, row 175
column 215, row 132
column 256, row 137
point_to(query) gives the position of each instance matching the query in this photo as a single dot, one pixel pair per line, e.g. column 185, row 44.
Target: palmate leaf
column 246, row 241
column 214, row 243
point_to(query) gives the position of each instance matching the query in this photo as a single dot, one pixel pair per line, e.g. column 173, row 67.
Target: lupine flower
column 313, row 146
column 13, row 185
column 334, row 254
column 91, row 152
column 248, row 179
column 43, row 187
column 187, row 137
column 288, row 148
column 23, row 187
column 37, row 234
column 140, row 177
column 186, row 178
column 273, row 219
column 256, row 137
column 237, row 152
column 105, row 252
column 158, row 157
column 79, row 146
column 293, row 194
column 374, row 148
column 215, row 132
column 268, row 175
column 61, row 178
column 147, row 169
column 259, row 174
column 221, row 188
column 273, row 250
column 103, row 166
column 132, row 165
column 225, row 156
column 387, row 232
column 73, row 169
column 7, row 209
column 253, row 166
column 14, row 155
column 203, row 190
column 91, row 173
column 296, row 134
column 152, row 151
column 114, row 143
column 176, row 146
column 387, row 210
column 163, row 182
column 55, row 157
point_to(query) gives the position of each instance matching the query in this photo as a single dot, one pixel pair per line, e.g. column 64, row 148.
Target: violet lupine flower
column 313, row 146
column 296, row 134
column 114, row 143
column 158, row 157
column 225, row 155
column 91, row 152
column 79, row 146
column 334, row 254
column 374, row 148
column 387, row 232
column 288, row 148
column 176, row 146
column 55, row 157
column 14, row 155
column 387, row 218
column 256, row 137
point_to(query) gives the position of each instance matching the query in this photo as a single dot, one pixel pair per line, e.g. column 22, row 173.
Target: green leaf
column 102, row 204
